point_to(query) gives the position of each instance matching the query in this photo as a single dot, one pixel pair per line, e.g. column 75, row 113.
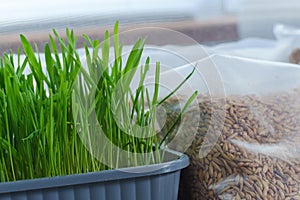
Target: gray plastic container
column 157, row 182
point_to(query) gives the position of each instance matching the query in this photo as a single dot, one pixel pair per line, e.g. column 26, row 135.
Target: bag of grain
column 243, row 138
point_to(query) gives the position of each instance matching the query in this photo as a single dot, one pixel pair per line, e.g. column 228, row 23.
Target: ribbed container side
column 161, row 184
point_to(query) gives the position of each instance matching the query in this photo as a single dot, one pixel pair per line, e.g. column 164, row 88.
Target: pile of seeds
column 257, row 155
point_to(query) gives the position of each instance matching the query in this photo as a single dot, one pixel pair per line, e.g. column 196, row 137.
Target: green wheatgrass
column 38, row 136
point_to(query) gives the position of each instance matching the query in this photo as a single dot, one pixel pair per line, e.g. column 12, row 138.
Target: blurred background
column 208, row 22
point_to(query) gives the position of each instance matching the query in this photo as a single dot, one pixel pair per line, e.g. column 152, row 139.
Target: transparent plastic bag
column 255, row 48
column 288, row 38
column 254, row 151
